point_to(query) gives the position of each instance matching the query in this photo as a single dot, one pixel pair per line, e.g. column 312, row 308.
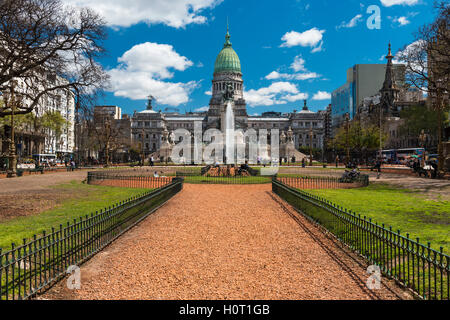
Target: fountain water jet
column 229, row 134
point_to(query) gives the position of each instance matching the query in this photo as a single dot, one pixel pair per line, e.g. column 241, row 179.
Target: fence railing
column 195, row 178
column 309, row 182
column 416, row 266
column 117, row 179
column 33, row 266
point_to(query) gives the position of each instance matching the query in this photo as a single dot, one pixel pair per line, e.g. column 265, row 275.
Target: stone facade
column 30, row 141
column 384, row 109
column 154, row 130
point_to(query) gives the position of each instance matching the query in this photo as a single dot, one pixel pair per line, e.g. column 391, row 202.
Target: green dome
column 227, row 60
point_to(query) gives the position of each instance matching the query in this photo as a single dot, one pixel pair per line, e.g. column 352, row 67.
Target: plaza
column 152, row 152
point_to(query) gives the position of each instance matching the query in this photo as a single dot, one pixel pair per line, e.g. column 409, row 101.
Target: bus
column 41, row 159
column 401, row 156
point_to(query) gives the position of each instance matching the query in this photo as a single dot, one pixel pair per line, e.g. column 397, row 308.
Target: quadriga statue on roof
column 229, row 92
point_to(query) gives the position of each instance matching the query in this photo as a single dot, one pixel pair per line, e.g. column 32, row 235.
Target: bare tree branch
column 45, row 47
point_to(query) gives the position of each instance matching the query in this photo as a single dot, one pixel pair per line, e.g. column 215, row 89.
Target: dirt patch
column 33, row 202
column 31, row 195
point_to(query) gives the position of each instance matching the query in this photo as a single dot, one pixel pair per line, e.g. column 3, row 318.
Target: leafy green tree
column 360, row 140
column 53, row 124
column 418, row 118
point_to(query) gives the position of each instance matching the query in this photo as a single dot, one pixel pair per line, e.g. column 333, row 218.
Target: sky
column 289, row 50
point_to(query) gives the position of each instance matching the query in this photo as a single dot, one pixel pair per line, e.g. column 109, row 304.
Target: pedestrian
column 434, row 165
column 303, row 163
column 151, row 161
column 337, row 161
column 378, row 168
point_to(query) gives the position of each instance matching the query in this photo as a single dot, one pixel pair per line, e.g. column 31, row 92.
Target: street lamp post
column 77, row 127
column 142, row 148
column 310, row 147
column 347, row 146
column 12, row 170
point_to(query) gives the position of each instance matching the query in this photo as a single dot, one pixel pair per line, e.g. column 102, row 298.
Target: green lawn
column 86, row 199
column 405, row 210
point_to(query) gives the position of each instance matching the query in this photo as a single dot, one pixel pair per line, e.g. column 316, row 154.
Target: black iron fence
column 416, row 266
column 323, row 182
column 195, row 178
column 33, row 266
column 119, row 179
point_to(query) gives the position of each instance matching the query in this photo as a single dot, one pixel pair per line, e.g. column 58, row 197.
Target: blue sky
column 289, row 49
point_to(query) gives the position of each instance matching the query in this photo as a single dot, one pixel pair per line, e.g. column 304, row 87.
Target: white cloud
column 318, row 49
column 277, row 93
column 143, row 68
column 208, row 93
column 296, row 97
column 403, row 21
column 322, row 95
column 155, row 59
column 298, row 64
column 309, row 38
column 409, row 48
column 352, row 23
column 390, row 3
column 125, row 13
column 202, row 109
column 275, row 75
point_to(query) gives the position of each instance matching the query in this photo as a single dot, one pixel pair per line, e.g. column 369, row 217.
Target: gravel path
column 225, row 242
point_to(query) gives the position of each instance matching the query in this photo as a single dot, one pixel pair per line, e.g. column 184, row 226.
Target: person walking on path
column 72, row 165
column 337, row 161
column 303, row 163
column 378, row 168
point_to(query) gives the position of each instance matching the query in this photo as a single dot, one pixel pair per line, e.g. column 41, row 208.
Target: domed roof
column 227, row 60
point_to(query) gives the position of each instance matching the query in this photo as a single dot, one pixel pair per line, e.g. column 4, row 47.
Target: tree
column 53, row 124
column 45, row 47
column 428, row 66
column 110, row 135
column 361, row 140
column 417, row 118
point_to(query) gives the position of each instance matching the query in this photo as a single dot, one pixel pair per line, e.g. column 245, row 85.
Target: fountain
column 228, row 125
column 228, row 129
column 229, row 134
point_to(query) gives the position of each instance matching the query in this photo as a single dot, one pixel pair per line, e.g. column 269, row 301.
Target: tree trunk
column 440, row 145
